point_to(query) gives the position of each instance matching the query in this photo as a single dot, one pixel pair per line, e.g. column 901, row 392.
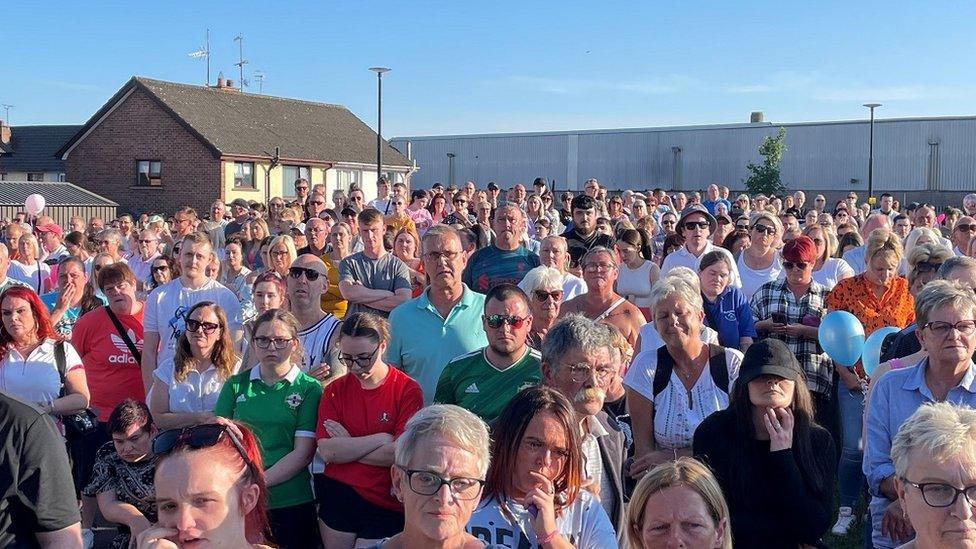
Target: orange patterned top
column 856, row 296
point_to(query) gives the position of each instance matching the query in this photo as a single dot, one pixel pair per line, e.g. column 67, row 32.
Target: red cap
column 50, row 228
column 800, row 248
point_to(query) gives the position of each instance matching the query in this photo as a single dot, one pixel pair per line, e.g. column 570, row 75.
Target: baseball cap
column 699, row 209
column 769, row 357
column 50, row 228
column 492, row 186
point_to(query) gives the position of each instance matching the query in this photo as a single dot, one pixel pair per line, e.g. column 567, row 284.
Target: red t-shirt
column 113, row 373
column 363, row 412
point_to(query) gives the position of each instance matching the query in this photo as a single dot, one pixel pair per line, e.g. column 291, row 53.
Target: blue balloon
column 872, row 348
column 842, row 337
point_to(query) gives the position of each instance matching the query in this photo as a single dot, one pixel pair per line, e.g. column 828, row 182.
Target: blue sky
column 473, row 67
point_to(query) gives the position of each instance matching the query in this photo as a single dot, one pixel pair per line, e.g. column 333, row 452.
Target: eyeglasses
column 146, row 240
column 196, row 437
column 555, row 295
column 939, row 328
column 926, row 267
column 599, row 266
column 195, row 325
column 767, row 229
column 317, row 202
column 668, row 222
column 437, row 256
column 362, row 362
column 356, row 198
column 582, row 372
column 495, row 321
column 937, row 494
column 302, row 188
column 268, row 342
column 158, row 269
column 311, row 274
column 790, row 265
column 692, row 225
column 425, row 483
column 742, row 226
column 969, row 228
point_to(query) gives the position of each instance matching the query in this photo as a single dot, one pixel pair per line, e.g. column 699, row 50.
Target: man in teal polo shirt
column 444, row 322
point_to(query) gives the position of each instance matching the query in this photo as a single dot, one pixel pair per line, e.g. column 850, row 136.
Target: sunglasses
column 297, row 272
column 543, row 295
column 764, row 229
column 196, row 437
column 790, row 265
column 692, row 225
column 496, row 321
column 318, row 202
column 194, row 326
column 158, row 269
column 742, row 226
column 926, row 267
column 966, row 227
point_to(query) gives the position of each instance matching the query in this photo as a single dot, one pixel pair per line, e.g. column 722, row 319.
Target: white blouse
column 36, row 378
column 197, row 393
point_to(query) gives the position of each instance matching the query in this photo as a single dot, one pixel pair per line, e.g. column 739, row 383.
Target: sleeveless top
column 315, row 341
column 635, row 284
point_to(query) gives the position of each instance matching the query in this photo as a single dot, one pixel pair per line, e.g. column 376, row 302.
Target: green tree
column 765, row 177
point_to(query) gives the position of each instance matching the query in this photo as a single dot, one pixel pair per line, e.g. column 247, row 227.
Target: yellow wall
column 318, row 175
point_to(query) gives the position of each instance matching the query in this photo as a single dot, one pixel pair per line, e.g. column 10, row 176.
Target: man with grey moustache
column 576, row 361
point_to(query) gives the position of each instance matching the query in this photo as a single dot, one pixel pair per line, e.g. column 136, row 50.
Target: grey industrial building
column 924, row 159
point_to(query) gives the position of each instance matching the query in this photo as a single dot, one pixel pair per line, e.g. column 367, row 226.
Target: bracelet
column 547, row 538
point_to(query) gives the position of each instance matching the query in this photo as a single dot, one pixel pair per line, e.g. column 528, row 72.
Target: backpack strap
column 662, row 374
column 61, row 362
column 718, row 366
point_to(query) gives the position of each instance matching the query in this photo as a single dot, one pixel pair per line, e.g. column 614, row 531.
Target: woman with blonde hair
column 672, row 495
column 281, row 254
column 917, row 237
column 759, row 263
column 828, row 270
column 406, row 245
column 185, row 389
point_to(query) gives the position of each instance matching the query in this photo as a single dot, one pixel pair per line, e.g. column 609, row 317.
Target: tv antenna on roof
column 7, row 108
column 240, row 64
column 204, row 53
column 260, row 76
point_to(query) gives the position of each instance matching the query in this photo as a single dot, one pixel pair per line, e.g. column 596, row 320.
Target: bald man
column 307, row 280
column 855, row 256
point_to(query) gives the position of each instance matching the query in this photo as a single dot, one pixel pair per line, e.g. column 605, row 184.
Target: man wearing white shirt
column 382, row 200
column 962, row 232
column 141, row 262
column 697, row 226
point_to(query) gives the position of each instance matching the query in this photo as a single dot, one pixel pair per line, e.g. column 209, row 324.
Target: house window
column 348, row 178
column 244, row 175
column 3, row 176
column 149, row 173
column 290, row 174
column 35, row 176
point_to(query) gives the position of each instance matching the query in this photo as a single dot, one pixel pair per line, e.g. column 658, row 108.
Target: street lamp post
column 871, row 106
column 450, row 169
column 379, row 120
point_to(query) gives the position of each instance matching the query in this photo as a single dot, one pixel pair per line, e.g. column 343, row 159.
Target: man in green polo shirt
column 441, row 323
column 484, row 381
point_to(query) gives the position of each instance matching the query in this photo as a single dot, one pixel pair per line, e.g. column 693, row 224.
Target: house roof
column 56, row 194
column 34, row 148
column 234, row 123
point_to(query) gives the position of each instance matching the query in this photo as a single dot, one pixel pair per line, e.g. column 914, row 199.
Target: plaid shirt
column 776, row 297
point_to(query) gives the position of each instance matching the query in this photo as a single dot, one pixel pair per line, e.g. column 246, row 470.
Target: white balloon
column 34, row 204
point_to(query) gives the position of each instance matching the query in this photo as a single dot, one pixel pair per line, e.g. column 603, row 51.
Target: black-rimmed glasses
column 195, row 325
column 938, row 494
column 939, row 328
column 267, row 342
column 426, row 483
column 362, row 362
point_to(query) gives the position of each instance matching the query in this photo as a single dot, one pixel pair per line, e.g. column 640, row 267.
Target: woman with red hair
column 29, row 348
column 210, row 488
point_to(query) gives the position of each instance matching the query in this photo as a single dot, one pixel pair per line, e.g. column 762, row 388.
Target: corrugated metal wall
column 911, row 155
column 62, row 214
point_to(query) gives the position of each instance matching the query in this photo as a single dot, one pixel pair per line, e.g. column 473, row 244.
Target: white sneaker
column 844, row 520
column 87, row 538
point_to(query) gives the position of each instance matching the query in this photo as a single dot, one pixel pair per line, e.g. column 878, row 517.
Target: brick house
column 27, row 153
column 155, row 146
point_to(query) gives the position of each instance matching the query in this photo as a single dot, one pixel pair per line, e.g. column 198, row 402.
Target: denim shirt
column 895, row 398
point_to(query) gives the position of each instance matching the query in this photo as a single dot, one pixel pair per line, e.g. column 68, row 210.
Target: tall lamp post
column 450, row 169
column 871, row 106
column 379, row 119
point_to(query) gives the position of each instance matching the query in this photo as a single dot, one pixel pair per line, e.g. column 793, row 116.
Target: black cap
column 492, row 186
column 772, row 357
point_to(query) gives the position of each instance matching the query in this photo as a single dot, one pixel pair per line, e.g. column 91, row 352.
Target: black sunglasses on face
column 692, row 225
column 555, row 295
column 194, row 325
column 297, row 272
column 196, row 437
column 764, row 229
column 790, row 265
column 496, row 321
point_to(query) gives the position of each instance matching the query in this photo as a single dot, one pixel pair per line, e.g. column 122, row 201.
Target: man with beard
column 600, row 302
column 584, row 236
column 447, row 308
column 577, row 362
column 506, row 260
column 484, row 381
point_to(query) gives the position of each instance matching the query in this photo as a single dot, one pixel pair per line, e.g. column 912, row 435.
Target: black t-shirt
column 36, row 490
column 578, row 246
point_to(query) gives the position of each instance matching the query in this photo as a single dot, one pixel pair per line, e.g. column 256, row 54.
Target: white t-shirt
column 167, row 305
column 28, row 274
column 752, row 279
column 197, row 393
column 674, row 421
column 36, row 378
column 584, row 524
column 650, row 339
column 683, row 258
column 833, row 270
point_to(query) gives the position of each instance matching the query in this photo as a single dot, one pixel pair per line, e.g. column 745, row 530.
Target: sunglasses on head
column 496, row 321
column 197, row 437
column 311, row 274
column 194, row 326
column 790, row 265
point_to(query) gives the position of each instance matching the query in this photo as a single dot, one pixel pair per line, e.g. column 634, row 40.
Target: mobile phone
column 779, row 317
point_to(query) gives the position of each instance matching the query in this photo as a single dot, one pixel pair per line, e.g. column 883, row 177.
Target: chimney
column 756, row 117
column 4, row 132
column 220, row 81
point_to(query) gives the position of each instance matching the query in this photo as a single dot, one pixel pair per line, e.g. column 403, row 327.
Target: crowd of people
column 462, row 367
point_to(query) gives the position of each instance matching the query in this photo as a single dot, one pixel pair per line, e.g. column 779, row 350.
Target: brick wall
column 139, row 129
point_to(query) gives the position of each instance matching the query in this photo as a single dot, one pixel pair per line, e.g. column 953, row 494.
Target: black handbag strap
column 125, row 335
column 61, row 362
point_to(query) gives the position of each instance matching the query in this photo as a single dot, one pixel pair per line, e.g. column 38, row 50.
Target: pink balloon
column 34, row 204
